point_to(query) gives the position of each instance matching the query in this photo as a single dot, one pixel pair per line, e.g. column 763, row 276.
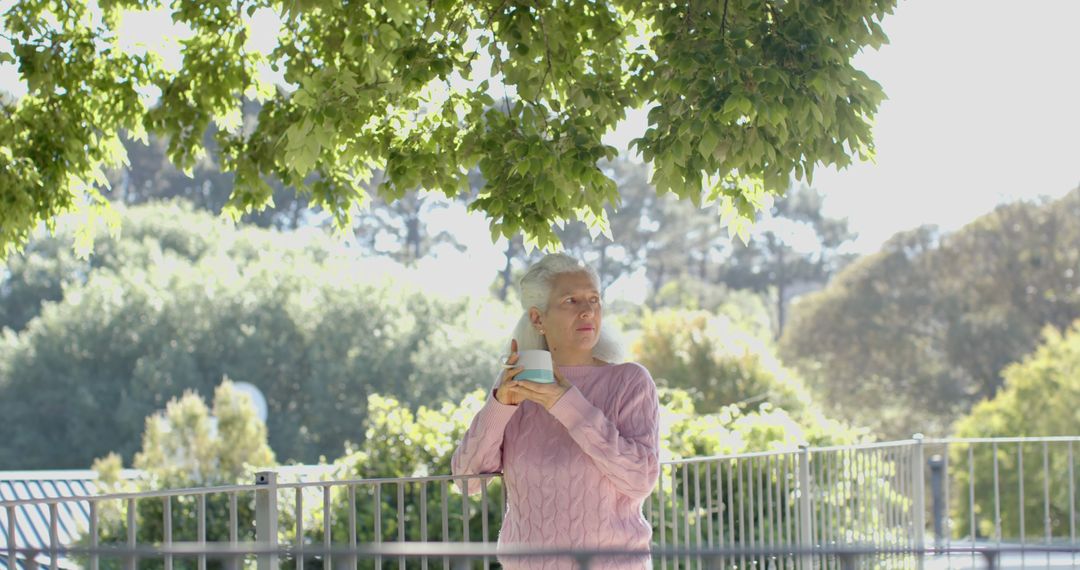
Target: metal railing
column 782, row 509
column 464, row 556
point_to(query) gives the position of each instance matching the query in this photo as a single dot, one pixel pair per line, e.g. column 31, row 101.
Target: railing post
column 806, row 532
column 937, row 484
column 12, row 529
column 919, row 475
column 266, row 518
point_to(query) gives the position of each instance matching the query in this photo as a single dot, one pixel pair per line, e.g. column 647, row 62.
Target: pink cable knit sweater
column 576, row 475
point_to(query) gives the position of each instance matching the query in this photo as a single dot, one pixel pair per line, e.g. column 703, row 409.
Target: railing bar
column 12, row 527
column 709, row 511
column 445, row 519
column 423, row 522
column 129, row 562
column 816, row 514
column 778, row 483
column 945, row 483
column 234, row 524
column 686, row 512
column 742, row 513
column 722, row 510
column 832, row 497
column 1020, row 469
column 858, row 504
column 299, row 493
column 751, row 503
column 1046, row 497
column 484, row 521
column 1039, row 439
column 788, row 506
column 378, row 515
column 1072, row 499
column 856, row 497
column 54, row 535
column 909, row 477
column 844, row 509
column 887, row 498
column 817, row 474
column 898, row 505
column 790, row 514
column 840, row 501
column 903, row 533
column 771, row 518
column 401, row 522
column 351, row 518
column 675, row 513
column 873, row 474
column 697, row 510
column 997, row 497
column 762, row 521
column 378, row 527
column 93, row 531
column 836, row 479
column 825, row 493
column 166, row 521
column 201, row 527
column 663, row 523
column 465, row 511
column 971, row 499
column 328, row 520
column 879, row 499
column 876, row 537
column 1072, row 504
column 887, row 469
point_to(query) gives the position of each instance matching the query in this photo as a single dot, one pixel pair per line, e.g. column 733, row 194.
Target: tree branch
column 723, row 21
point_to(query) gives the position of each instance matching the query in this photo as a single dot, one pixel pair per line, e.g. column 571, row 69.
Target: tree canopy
column 182, row 301
column 743, row 96
column 1039, row 398
column 909, row 338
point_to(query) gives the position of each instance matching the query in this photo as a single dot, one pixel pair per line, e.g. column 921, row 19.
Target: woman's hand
column 507, row 393
column 542, row 393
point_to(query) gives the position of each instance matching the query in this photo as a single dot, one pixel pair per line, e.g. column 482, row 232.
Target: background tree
column 721, row 360
column 745, row 95
column 615, row 255
column 193, row 300
column 906, row 340
column 1040, row 398
column 150, row 176
column 793, row 248
column 188, row 445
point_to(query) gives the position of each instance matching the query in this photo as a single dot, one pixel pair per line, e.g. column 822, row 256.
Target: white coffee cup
column 537, row 365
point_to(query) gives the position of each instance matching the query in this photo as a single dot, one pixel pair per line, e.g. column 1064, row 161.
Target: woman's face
column 571, row 323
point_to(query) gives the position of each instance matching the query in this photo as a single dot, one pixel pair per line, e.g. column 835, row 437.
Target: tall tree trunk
column 781, row 288
column 504, row 288
column 657, row 282
column 603, row 270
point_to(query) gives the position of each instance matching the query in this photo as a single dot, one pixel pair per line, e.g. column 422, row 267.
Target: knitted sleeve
column 480, row 450
column 625, row 449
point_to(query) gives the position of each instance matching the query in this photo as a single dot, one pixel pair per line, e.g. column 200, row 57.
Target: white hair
column 535, row 287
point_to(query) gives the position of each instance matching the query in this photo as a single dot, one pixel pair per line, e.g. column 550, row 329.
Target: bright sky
column 983, row 108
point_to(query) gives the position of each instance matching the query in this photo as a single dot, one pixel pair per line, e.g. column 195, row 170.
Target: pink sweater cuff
column 494, row 415
column 572, row 408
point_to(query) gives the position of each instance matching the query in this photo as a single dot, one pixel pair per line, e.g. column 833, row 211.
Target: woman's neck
column 563, row 358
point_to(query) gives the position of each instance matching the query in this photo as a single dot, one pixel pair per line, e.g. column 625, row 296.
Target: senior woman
column 580, row 455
